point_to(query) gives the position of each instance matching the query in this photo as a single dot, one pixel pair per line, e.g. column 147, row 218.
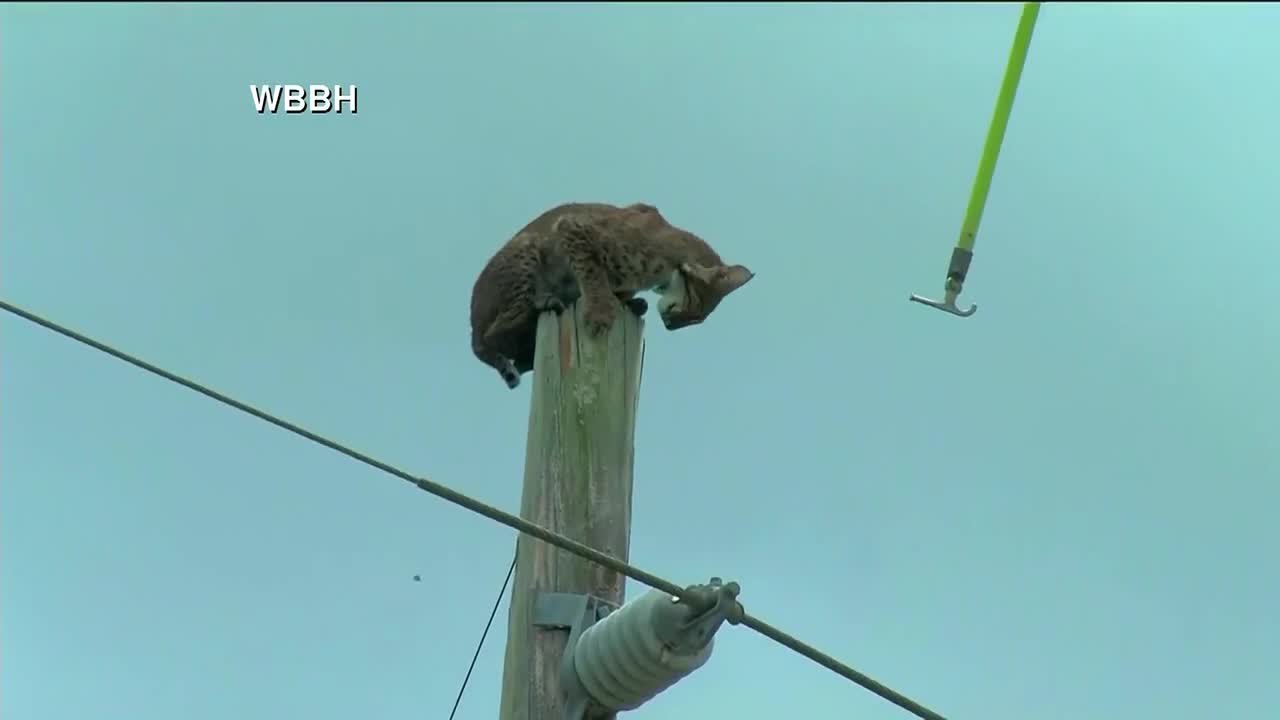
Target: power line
column 738, row 616
column 483, row 635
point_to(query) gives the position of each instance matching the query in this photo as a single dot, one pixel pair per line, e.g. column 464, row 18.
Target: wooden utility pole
column 577, row 482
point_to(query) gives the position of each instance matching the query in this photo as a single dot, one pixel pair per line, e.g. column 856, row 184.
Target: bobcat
column 604, row 254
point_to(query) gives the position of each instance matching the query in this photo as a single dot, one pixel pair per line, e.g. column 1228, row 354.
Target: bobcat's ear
column 735, row 277
column 701, row 273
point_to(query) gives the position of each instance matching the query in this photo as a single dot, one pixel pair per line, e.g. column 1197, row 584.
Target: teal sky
column 1061, row 508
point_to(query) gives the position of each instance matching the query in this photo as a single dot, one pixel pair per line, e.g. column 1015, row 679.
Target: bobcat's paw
column 637, row 306
column 554, row 304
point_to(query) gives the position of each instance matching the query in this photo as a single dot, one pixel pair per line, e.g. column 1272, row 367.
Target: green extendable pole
column 963, row 253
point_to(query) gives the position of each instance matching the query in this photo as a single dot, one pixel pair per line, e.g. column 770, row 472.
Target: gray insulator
column 622, row 661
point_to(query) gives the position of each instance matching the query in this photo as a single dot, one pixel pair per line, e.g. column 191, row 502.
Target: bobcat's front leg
column 637, row 305
column 582, row 253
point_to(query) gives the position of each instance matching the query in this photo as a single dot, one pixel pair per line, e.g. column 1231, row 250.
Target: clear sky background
column 1061, row 508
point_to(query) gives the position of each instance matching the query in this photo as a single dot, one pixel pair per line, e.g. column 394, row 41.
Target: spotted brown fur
column 601, row 254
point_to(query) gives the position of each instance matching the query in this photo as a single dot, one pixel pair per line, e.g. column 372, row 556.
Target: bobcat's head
column 693, row 291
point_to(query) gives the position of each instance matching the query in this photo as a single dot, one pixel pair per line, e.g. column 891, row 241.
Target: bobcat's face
column 693, row 291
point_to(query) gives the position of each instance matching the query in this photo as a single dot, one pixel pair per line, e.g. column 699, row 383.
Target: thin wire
column 483, row 635
column 737, row 616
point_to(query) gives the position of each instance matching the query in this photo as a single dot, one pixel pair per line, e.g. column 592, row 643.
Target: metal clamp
column 711, row 605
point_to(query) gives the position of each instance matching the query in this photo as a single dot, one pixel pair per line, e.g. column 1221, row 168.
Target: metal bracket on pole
column 959, row 267
column 577, row 613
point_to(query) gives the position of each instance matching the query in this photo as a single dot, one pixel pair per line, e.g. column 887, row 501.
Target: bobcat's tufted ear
column 734, row 277
column 724, row 279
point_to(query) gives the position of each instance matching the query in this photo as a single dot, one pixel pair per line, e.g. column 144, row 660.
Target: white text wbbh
column 295, row 99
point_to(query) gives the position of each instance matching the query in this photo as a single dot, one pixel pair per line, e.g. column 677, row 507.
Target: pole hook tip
column 948, row 305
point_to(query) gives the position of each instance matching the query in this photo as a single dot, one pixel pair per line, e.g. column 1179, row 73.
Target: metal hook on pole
column 955, row 283
column 963, row 253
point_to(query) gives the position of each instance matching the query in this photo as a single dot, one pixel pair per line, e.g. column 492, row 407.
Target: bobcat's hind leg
column 504, row 365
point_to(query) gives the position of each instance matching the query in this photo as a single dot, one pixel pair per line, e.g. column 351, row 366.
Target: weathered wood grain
column 577, row 482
